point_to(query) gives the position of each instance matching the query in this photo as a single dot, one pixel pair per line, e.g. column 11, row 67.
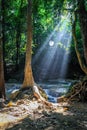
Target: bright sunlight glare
column 54, row 53
column 51, row 43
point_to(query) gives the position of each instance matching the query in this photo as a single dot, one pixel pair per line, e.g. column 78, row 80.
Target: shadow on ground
column 71, row 120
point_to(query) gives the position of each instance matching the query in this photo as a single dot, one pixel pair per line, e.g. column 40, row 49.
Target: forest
column 43, row 64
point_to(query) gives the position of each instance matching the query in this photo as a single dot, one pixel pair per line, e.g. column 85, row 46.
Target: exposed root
column 31, row 93
column 39, row 97
column 78, row 92
column 37, row 93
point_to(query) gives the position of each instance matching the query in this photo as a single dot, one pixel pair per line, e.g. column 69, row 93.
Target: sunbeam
column 38, row 53
column 64, row 65
column 54, row 53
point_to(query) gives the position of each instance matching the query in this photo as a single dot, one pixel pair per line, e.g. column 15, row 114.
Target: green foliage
column 14, row 19
column 46, row 15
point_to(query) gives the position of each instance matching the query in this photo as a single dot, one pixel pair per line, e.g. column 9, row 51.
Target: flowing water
column 53, row 88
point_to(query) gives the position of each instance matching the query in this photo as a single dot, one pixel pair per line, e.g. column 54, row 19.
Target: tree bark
column 82, row 65
column 2, row 82
column 28, row 75
column 3, row 33
column 83, row 25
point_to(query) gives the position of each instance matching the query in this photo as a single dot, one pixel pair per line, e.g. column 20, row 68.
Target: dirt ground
column 34, row 115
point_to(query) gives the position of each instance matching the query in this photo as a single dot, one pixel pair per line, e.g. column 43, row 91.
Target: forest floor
column 25, row 114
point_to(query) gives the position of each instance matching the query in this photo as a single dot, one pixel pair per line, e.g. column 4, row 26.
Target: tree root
column 39, row 97
column 31, row 93
column 78, row 92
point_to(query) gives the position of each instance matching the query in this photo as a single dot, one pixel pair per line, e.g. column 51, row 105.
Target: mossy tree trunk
column 79, row 91
column 82, row 65
column 82, row 13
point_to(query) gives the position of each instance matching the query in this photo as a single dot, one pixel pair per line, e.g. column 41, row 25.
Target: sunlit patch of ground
column 17, row 111
column 14, row 112
column 28, row 115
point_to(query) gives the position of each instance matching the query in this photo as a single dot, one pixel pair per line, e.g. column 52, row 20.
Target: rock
column 14, row 93
column 51, row 99
column 54, row 93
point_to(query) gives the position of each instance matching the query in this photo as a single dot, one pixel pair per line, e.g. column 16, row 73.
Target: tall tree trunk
column 83, row 24
column 3, row 33
column 2, row 82
column 28, row 76
column 82, row 65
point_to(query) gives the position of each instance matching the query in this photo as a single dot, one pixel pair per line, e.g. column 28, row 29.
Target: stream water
column 53, row 88
column 56, row 88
